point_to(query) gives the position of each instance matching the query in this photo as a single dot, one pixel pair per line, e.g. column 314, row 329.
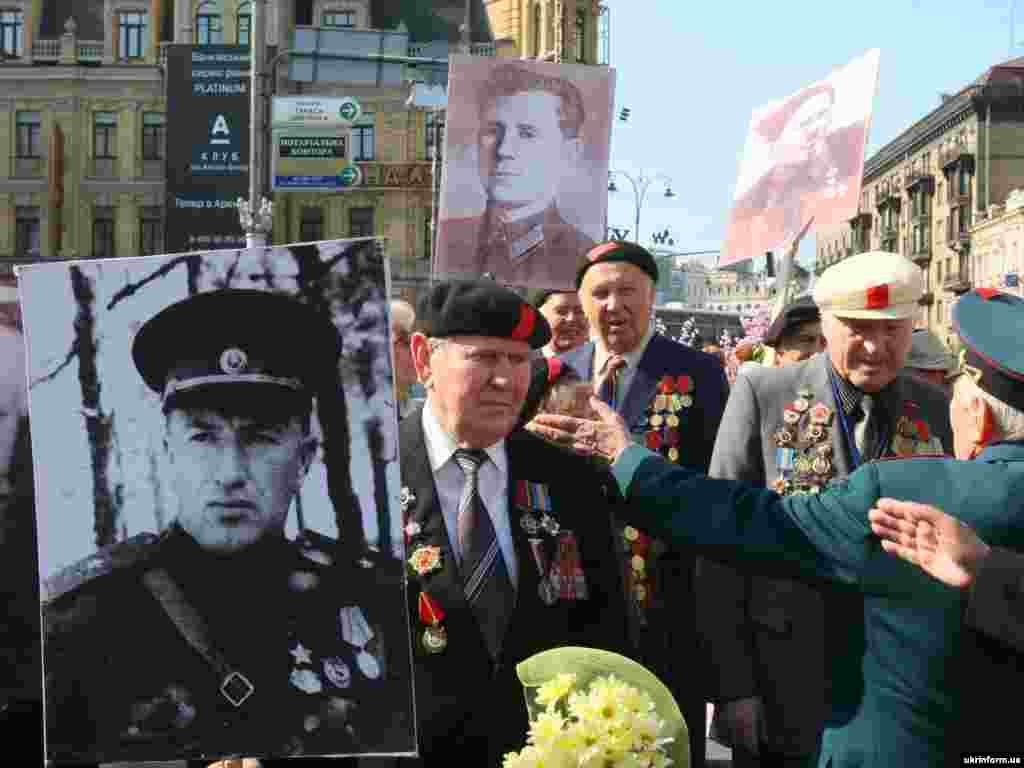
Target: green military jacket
column 901, row 671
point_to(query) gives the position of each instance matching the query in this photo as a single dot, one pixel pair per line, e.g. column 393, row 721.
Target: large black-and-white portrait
column 215, row 457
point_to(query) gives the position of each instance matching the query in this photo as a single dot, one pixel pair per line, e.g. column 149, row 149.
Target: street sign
column 315, row 112
column 346, row 178
column 312, row 146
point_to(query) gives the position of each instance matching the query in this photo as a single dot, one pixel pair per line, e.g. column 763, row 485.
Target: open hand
column 938, row 543
column 606, row 438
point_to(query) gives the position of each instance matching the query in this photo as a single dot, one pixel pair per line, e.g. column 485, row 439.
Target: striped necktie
column 865, row 432
column 608, row 390
column 486, row 584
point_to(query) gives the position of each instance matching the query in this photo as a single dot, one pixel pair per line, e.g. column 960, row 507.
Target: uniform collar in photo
column 632, row 358
column 441, row 446
column 516, row 214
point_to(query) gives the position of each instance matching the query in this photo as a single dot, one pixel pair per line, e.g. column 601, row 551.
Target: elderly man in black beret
column 220, row 636
column 564, row 313
column 510, row 550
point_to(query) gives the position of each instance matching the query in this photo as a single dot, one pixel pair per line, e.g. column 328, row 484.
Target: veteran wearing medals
column 906, row 688
column 671, row 397
column 219, row 636
column 510, row 549
column 530, row 136
column 795, row 429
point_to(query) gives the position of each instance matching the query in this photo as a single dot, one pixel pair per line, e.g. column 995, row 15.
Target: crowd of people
column 841, row 588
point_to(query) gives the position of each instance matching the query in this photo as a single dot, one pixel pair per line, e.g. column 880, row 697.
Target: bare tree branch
column 132, row 288
column 71, row 355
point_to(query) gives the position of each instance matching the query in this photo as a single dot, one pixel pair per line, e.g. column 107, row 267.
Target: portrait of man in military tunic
column 523, row 193
column 210, row 584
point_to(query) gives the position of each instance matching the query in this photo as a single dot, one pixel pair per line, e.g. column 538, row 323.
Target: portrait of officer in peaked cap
column 523, row 195
column 216, row 634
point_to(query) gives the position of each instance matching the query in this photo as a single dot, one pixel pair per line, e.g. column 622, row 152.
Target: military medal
column 686, row 401
column 655, row 420
column 791, row 416
column 821, row 414
column 821, row 466
column 425, row 560
column 801, row 404
column 673, row 454
column 306, row 680
column 434, row 639
column 548, row 592
column 368, row 664
column 672, row 420
column 549, row 525
column 406, row 499
column 529, row 523
column 660, row 402
column 301, row 654
column 676, row 404
column 337, row 672
column 630, row 534
column 413, row 529
column 784, row 437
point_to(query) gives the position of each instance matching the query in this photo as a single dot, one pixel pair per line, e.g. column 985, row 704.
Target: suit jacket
column 477, row 244
column 466, row 703
column 904, row 677
column 668, row 642
column 766, row 637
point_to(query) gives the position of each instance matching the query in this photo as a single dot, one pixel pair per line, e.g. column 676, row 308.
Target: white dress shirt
column 450, row 480
column 632, row 358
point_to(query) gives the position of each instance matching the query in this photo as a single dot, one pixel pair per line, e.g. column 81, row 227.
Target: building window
column 360, row 222
column 245, row 23
column 434, row 134
column 151, row 230
column 103, row 232
column 364, row 138
column 28, row 135
column 580, row 36
column 132, row 27
column 26, row 232
column 209, row 25
column 339, row 19
column 12, row 34
column 104, row 143
column 311, row 224
column 964, row 186
column 153, row 135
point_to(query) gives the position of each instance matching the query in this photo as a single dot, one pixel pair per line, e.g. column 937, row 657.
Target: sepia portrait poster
column 220, row 550
column 524, row 184
column 803, row 160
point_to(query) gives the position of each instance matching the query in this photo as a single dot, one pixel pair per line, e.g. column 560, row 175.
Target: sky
column 692, row 73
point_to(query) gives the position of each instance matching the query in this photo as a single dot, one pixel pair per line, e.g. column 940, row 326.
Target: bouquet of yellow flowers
column 599, row 714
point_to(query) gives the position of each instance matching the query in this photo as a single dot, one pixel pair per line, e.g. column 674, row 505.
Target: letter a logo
column 220, row 133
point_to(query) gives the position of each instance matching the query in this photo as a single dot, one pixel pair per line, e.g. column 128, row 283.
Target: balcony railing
column 922, row 257
column 27, row 167
column 86, row 51
column 917, row 177
column 889, row 231
column 103, row 168
column 958, row 281
column 955, row 154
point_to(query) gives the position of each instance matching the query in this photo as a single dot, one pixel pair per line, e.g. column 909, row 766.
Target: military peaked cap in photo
column 792, row 316
column 235, row 336
column 538, row 297
column 480, row 308
column 619, row 250
column 877, row 285
column 989, row 324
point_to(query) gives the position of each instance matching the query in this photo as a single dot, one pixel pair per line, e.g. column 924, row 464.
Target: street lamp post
column 257, row 213
column 640, row 184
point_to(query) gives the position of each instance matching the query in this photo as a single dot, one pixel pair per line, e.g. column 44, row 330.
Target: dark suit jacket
column 468, row 706
column 669, row 644
column 904, row 680
column 766, row 637
column 467, row 250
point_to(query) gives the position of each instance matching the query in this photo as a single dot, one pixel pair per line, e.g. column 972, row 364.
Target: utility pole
column 256, row 213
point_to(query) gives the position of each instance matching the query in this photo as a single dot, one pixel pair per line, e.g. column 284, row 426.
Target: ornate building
column 924, row 190
column 571, row 31
column 83, row 108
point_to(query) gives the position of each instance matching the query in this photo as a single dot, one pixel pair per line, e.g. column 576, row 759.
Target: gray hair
column 402, row 314
column 1007, row 419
